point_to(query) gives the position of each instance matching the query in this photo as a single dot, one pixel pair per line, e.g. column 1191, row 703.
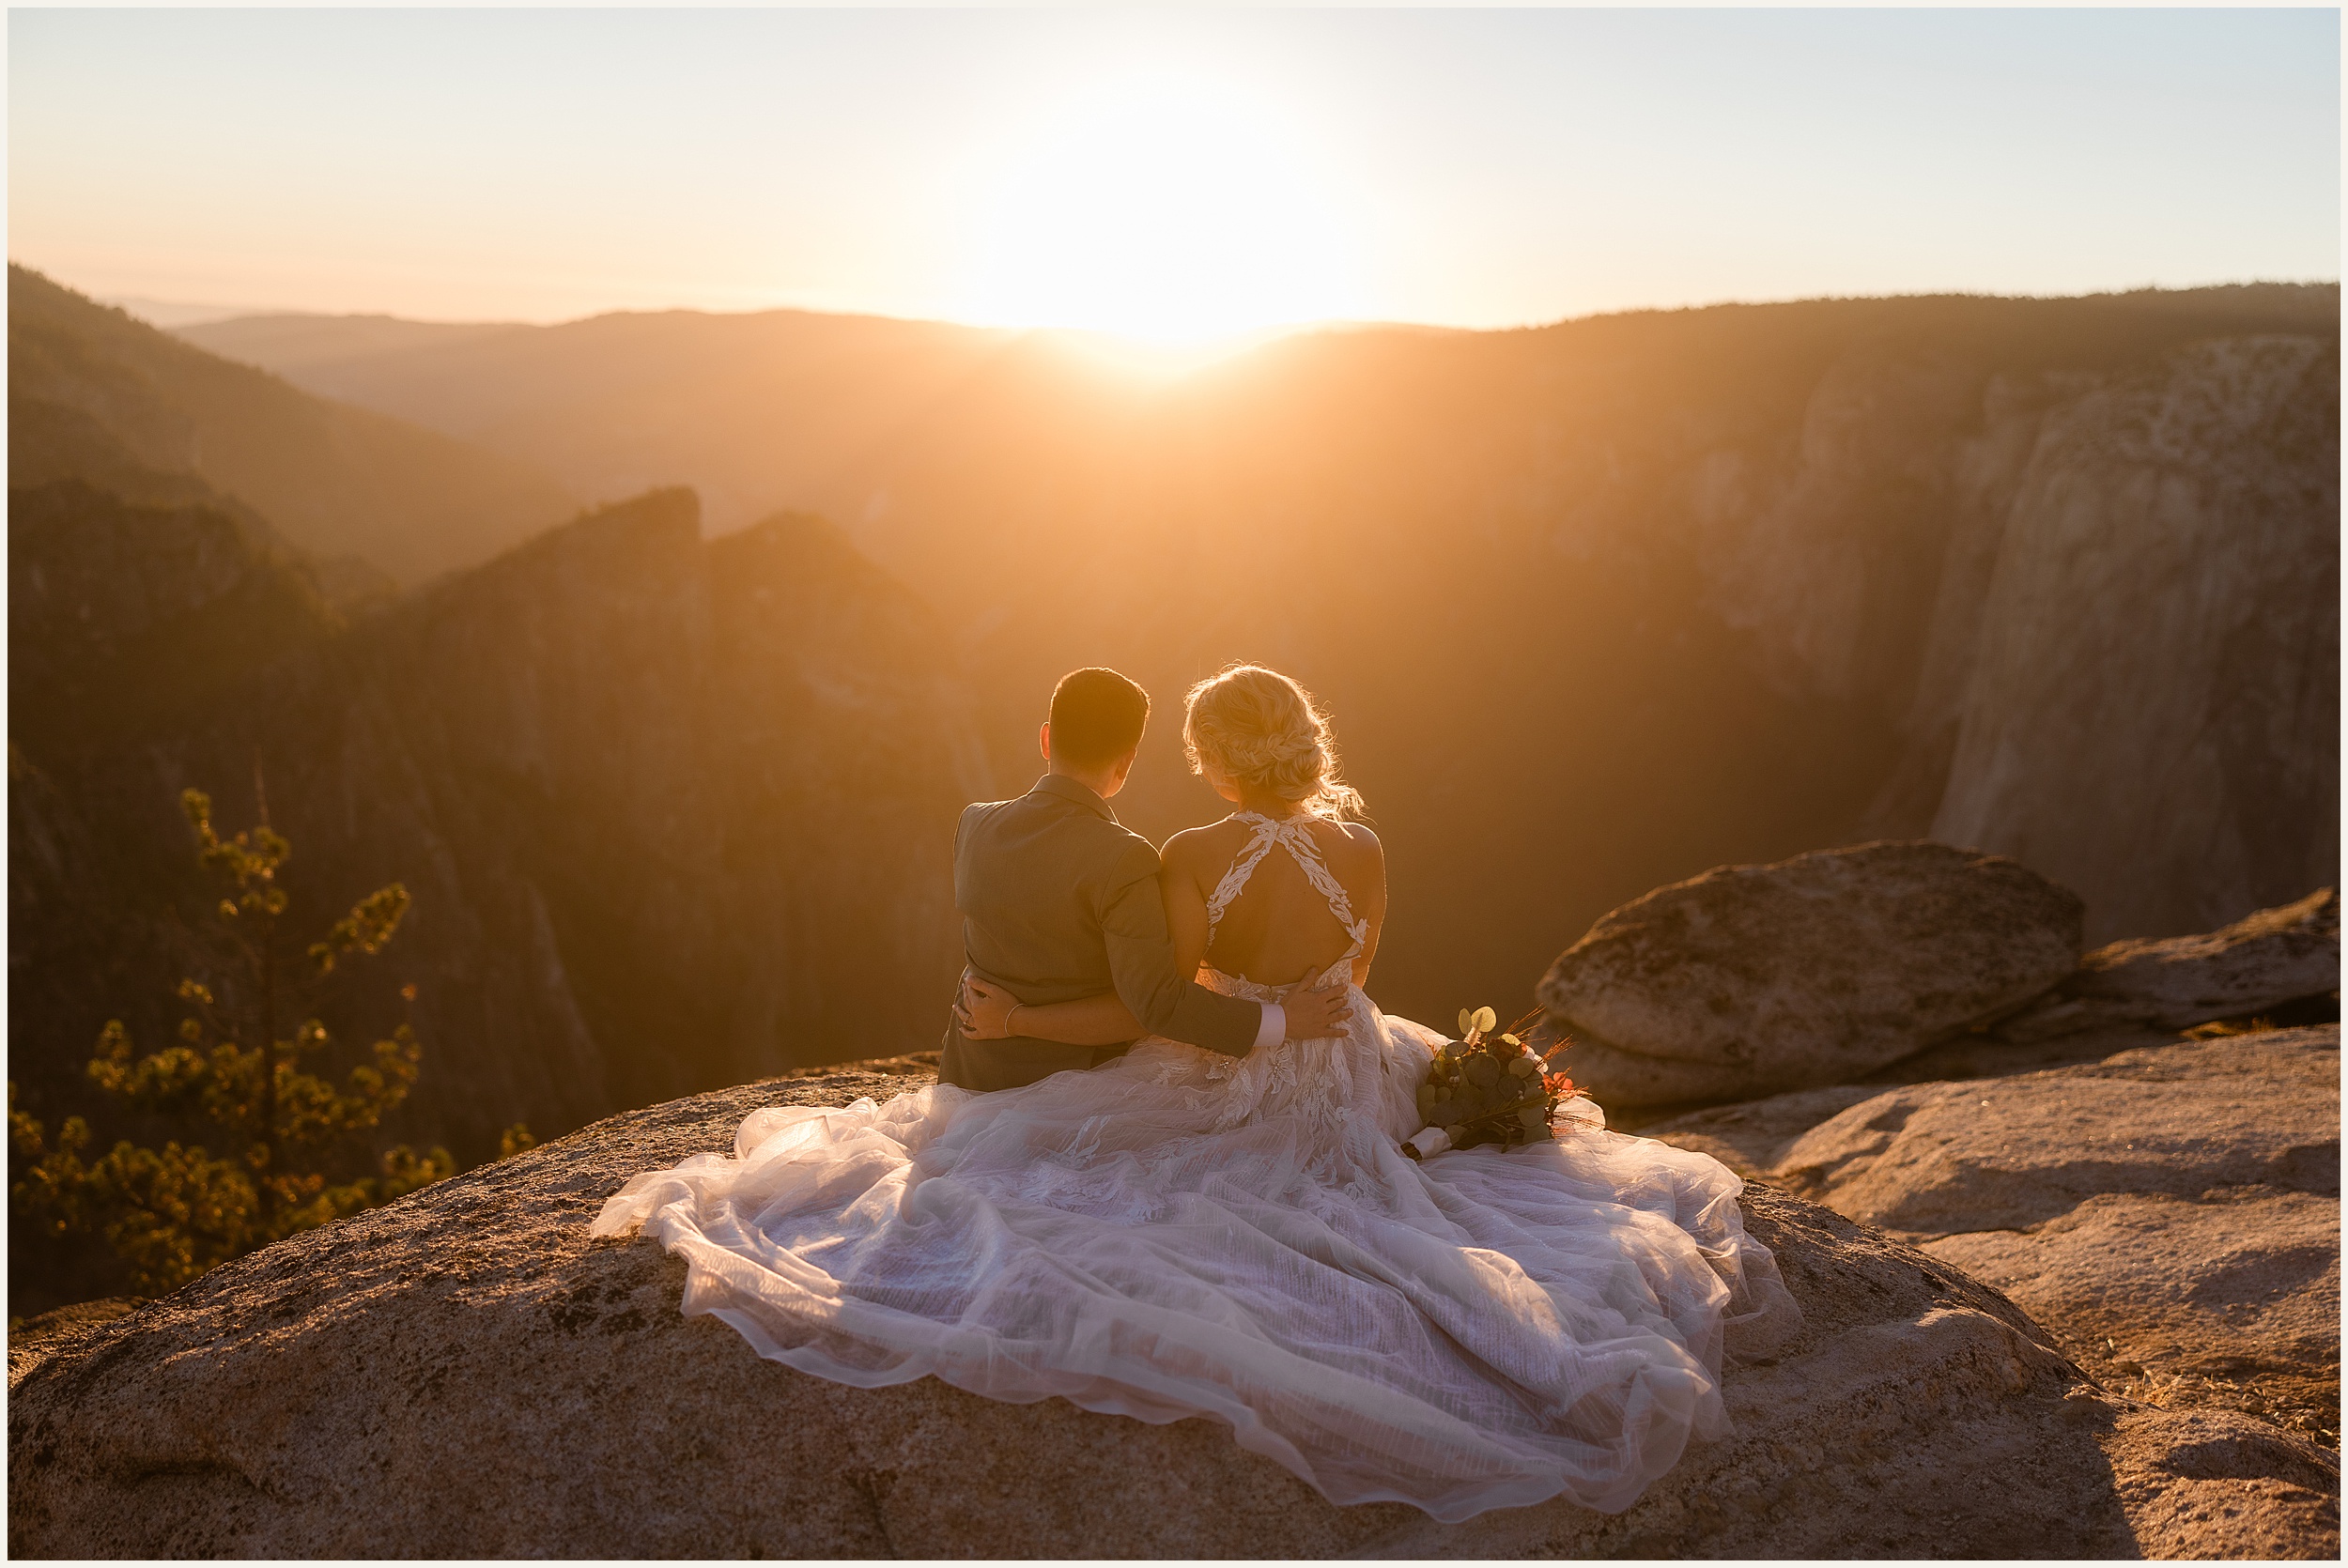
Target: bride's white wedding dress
column 1178, row 1233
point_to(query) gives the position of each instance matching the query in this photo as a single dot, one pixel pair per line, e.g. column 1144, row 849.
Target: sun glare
column 1169, row 209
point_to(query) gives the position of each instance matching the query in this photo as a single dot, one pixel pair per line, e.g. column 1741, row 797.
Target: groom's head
column 1096, row 723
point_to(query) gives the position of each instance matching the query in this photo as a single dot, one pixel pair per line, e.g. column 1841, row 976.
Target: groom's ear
column 1044, row 740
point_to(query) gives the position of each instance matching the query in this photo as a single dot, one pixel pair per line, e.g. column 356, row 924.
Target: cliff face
column 672, row 811
column 2102, row 603
column 124, row 619
column 2150, row 704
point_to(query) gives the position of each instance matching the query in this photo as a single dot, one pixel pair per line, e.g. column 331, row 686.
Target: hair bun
column 1258, row 727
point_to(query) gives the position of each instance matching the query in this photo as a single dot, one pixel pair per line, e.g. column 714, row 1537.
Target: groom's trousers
column 1007, row 1064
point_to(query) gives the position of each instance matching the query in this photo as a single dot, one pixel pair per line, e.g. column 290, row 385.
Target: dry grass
column 2308, row 1406
column 2218, row 1028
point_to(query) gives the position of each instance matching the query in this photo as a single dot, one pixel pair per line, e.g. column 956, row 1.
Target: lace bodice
column 1294, row 834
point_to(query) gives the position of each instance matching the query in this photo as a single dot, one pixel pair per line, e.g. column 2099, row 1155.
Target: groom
column 1059, row 900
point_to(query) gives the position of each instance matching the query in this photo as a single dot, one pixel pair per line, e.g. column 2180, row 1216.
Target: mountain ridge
column 337, row 480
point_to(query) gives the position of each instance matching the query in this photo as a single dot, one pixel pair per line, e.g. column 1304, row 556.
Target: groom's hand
column 982, row 1011
column 1314, row 1015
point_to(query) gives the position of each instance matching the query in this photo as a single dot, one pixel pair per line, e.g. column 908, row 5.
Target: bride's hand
column 982, row 1011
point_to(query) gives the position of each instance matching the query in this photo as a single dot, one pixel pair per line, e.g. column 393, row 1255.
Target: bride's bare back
column 1280, row 926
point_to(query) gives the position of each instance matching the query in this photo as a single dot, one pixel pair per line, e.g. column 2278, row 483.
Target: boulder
column 1751, row 980
column 464, row 1373
column 2261, row 962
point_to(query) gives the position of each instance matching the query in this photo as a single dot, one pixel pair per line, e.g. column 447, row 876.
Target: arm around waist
column 1141, row 962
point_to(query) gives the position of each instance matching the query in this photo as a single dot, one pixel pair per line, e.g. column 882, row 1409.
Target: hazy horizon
column 1183, row 176
column 171, row 314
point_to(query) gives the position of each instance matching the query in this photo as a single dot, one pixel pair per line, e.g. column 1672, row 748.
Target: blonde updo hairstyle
column 1252, row 726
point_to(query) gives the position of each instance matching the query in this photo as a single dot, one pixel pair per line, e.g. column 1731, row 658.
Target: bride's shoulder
column 1197, row 846
column 1353, row 839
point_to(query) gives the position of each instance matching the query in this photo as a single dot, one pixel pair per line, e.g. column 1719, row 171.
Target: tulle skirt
column 1176, row 1234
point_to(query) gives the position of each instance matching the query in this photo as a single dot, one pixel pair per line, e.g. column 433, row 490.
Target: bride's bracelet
column 1012, row 1017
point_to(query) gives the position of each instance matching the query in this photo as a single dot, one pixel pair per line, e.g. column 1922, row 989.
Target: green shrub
column 235, row 1083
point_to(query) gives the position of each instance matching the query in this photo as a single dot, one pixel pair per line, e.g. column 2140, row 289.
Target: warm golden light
column 1164, row 207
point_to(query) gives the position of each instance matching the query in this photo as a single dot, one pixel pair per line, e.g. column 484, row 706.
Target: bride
column 1178, row 1234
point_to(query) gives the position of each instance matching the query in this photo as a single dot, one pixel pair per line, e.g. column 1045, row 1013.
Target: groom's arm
column 1141, row 965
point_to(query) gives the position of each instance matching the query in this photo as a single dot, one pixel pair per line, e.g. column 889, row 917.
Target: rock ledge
column 464, row 1373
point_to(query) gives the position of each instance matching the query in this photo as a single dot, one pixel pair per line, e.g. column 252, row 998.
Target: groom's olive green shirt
column 1060, row 901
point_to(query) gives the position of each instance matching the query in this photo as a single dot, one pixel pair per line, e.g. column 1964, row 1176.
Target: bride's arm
column 1185, row 906
column 1372, row 876
column 985, row 1012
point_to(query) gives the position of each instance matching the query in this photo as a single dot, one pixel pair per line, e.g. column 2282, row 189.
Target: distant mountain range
column 1597, row 606
column 109, row 394
column 745, row 409
column 1600, row 604
column 171, row 314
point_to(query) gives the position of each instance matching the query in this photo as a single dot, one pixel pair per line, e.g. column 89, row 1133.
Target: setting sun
column 1168, row 209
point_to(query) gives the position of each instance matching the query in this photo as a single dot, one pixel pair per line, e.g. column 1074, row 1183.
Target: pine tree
column 171, row 1213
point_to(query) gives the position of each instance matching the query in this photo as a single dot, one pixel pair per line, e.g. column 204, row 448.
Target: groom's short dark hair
column 1097, row 717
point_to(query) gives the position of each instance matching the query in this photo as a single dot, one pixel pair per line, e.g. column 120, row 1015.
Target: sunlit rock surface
column 465, row 1374
column 2171, row 1214
column 2010, row 1153
column 2229, row 1297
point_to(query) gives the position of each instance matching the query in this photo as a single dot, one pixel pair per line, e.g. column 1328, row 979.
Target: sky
column 1174, row 175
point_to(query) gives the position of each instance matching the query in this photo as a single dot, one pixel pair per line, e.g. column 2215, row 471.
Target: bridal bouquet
column 1487, row 1088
